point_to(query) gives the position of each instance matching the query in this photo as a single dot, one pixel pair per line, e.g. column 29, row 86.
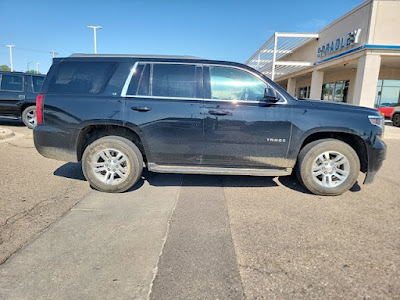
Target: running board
column 217, row 171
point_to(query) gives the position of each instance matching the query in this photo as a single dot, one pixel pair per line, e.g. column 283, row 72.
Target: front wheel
column 328, row 167
column 396, row 120
column 112, row 164
column 29, row 117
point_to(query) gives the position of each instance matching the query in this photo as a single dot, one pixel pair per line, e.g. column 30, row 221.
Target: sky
column 225, row 30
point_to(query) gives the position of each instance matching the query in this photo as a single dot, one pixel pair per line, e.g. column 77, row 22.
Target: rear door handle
column 218, row 112
column 141, row 108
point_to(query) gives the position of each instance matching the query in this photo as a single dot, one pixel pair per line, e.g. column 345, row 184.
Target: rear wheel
column 29, row 117
column 396, row 120
column 112, row 164
column 328, row 167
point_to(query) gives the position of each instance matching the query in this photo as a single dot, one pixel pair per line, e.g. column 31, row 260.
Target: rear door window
column 81, row 77
column 37, row 82
column 167, row 80
column 12, row 83
column 140, row 81
column 174, row 80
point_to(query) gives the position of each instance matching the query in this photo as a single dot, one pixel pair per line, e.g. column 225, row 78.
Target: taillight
column 39, row 109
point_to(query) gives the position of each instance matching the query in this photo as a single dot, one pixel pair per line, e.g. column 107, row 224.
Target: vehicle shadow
column 74, row 171
column 11, row 122
column 388, row 123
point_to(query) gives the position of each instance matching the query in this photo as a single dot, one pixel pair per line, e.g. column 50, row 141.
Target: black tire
column 29, row 117
column 308, row 156
column 134, row 164
column 396, row 120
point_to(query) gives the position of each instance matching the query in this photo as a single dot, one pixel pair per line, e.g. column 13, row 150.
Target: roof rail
column 136, row 56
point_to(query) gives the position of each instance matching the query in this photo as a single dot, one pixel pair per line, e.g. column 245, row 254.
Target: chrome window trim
column 190, row 99
column 234, row 101
column 251, row 73
column 129, row 78
column 150, row 79
column 162, row 97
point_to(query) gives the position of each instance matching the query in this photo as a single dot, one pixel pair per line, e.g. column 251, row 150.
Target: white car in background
column 396, row 116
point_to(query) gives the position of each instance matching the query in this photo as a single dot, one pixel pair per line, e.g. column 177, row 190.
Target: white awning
column 269, row 59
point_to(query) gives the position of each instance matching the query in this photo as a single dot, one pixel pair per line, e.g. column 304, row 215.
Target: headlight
column 377, row 120
column 380, row 122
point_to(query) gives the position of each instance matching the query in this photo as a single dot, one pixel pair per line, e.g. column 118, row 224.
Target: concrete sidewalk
column 107, row 247
column 392, row 132
column 6, row 133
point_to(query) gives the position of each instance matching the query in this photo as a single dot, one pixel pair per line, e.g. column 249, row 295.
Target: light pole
column 37, row 68
column 53, row 53
column 27, row 65
column 94, row 35
column 11, row 62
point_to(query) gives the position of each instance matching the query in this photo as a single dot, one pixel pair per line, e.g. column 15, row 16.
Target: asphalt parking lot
column 193, row 237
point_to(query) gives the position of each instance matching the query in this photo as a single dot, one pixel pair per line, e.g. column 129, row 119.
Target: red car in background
column 387, row 109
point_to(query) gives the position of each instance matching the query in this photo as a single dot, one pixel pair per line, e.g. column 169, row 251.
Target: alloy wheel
column 330, row 169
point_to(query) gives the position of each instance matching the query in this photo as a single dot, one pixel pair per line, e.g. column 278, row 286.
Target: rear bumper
column 376, row 156
column 54, row 143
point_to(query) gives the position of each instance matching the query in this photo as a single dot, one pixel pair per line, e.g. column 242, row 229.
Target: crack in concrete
column 155, row 270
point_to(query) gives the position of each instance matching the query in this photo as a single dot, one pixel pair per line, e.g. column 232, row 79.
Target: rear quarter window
column 37, row 83
column 11, row 83
column 81, row 77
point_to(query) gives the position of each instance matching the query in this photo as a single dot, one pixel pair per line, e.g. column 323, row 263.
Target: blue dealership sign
column 340, row 43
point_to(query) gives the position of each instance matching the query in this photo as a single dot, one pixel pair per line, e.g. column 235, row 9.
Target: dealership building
column 355, row 59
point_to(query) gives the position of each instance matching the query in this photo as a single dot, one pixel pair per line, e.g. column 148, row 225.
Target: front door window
column 234, row 84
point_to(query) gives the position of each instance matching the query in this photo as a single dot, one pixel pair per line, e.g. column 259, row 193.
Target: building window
column 388, row 93
column 335, row 91
column 304, row 92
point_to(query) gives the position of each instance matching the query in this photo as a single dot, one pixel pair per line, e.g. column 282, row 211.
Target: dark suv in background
column 18, row 92
column 117, row 113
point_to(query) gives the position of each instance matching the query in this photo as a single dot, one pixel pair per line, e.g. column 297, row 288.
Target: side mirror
column 270, row 95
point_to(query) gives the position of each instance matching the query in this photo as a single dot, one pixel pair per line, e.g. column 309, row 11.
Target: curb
column 6, row 134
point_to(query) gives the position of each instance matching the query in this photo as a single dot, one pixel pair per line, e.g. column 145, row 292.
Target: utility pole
column 94, row 35
column 37, row 68
column 11, row 58
column 54, row 53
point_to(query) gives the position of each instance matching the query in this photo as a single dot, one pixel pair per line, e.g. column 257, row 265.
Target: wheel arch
column 353, row 140
column 26, row 105
column 92, row 132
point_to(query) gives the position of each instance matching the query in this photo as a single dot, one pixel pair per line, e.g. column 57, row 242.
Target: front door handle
column 141, row 108
column 218, row 112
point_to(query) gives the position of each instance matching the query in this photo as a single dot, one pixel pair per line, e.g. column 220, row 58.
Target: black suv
column 18, row 93
column 190, row 115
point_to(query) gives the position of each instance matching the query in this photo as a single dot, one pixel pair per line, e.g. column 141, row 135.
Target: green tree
column 5, row 68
